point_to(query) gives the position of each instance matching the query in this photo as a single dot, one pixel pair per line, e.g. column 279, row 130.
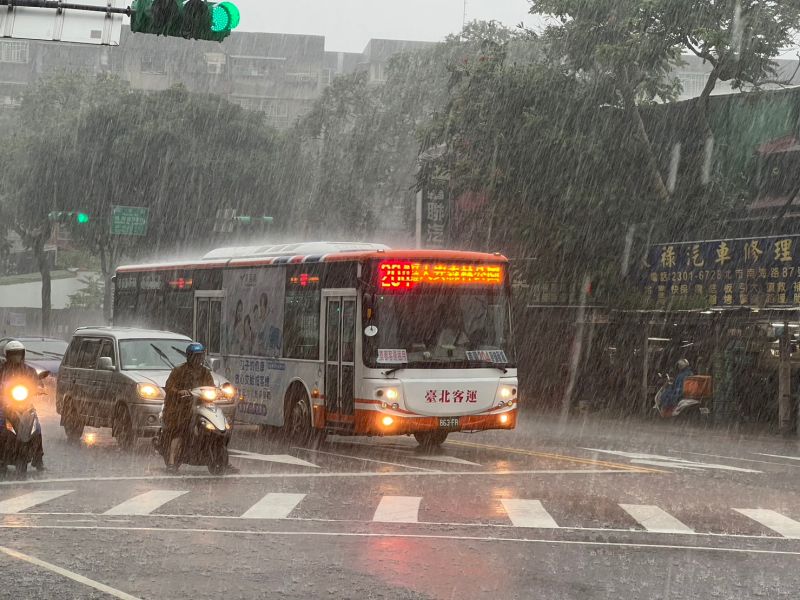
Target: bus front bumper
column 372, row 422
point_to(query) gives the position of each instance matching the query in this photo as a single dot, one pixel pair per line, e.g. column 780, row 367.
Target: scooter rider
column 15, row 368
column 672, row 395
column 178, row 405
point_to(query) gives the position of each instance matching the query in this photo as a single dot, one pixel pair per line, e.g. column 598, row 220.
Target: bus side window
column 301, row 313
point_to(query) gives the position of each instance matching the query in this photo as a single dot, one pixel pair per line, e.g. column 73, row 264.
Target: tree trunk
column 107, row 269
column 44, row 271
column 657, row 184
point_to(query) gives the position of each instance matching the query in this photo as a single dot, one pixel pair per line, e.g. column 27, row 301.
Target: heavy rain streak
column 432, row 299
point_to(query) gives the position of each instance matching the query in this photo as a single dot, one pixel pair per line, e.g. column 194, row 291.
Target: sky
column 349, row 24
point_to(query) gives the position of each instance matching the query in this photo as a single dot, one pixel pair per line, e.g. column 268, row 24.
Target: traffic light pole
column 59, row 6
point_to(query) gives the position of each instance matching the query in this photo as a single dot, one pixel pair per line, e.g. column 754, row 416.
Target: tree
column 91, row 296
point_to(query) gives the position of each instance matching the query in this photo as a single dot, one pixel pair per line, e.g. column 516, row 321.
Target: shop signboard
column 762, row 271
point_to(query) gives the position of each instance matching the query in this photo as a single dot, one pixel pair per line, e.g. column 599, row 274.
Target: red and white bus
column 347, row 338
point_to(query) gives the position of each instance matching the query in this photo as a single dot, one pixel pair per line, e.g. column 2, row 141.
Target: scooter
column 210, row 433
column 23, row 434
column 695, row 408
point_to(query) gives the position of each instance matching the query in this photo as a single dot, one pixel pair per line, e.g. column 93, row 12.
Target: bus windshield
column 447, row 327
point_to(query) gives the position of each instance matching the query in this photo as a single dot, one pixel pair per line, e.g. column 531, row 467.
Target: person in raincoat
column 178, row 405
column 673, row 394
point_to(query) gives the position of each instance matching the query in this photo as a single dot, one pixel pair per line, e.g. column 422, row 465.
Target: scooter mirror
column 44, row 374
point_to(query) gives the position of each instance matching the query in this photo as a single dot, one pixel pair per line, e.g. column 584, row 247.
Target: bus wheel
column 300, row 428
column 430, row 439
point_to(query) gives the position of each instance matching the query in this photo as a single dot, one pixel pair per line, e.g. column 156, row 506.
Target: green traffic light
column 224, row 17
column 233, row 11
column 82, row 218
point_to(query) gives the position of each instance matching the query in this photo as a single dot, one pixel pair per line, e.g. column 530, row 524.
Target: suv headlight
column 148, row 391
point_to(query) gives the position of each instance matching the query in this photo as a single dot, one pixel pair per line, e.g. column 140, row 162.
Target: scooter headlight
column 228, row 391
column 209, row 394
column 20, row 393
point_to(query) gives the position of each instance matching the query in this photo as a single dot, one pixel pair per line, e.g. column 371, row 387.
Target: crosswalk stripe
column 773, row 520
column 398, row 509
column 652, row 518
column 146, row 503
column 528, row 513
column 286, row 459
column 20, row 503
column 273, row 506
column 448, row 459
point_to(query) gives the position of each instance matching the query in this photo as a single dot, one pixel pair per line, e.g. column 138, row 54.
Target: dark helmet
column 194, row 348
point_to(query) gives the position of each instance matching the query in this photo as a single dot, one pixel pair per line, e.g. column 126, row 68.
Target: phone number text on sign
column 451, row 396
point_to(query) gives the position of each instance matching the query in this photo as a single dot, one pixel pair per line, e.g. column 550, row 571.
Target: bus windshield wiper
column 395, row 369
column 163, row 356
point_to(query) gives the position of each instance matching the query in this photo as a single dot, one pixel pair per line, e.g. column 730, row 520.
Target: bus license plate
column 453, row 423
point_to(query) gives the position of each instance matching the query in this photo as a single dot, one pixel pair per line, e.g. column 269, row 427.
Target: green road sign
column 129, row 220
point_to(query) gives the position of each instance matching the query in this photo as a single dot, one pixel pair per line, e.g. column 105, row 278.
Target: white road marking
column 273, row 506
column 398, row 509
column 771, row 519
column 286, row 459
column 146, row 503
column 369, row 460
column 419, row 536
column 652, row 518
column 678, row 463
column 528, row 513
column 386, row 474
column 763, row 462
column 661, row 463
column 778, row 456
column 68, row 574
column 445, row 459
column 20, row 503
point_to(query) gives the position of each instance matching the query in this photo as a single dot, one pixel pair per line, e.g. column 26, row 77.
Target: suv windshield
column 151, row 355
column 450, row 327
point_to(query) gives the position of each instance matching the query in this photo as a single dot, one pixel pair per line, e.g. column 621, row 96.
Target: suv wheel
column 123, row 428
column 73, row 423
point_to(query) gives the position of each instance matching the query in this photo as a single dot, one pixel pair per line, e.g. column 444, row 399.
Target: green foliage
column 90, row 296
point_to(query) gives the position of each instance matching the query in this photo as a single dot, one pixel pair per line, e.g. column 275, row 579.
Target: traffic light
column 69, row 216
column 192, row 19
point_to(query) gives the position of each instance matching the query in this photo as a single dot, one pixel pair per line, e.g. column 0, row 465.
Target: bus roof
column 310, row 252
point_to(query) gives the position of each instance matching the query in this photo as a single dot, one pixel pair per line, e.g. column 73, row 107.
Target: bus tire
column 430, row 439
column 300, row 430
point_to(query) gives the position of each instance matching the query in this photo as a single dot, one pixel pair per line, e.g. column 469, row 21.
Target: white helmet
column 14, row 346
column 683, row 364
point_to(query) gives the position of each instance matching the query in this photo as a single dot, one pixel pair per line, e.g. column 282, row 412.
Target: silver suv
column 115, row 377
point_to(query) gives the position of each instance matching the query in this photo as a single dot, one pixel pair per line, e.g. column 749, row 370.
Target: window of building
column 14, row 51
column 152, row 62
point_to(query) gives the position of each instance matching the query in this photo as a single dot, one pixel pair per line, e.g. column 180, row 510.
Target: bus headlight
column 504, row 419
column 507, row 392
column 387, row 421
column 390, row 394
column 148, row 391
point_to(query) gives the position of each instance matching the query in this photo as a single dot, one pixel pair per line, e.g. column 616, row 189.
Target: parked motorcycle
column 210, row 433
column 695, row 403
column 23, row 434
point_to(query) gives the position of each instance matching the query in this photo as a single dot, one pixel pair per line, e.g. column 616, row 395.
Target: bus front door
column 340, row 345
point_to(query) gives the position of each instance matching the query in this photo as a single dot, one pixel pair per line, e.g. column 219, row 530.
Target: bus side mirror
column 369, row 305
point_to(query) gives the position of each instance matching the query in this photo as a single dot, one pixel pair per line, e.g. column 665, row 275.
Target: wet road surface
column 591, row 509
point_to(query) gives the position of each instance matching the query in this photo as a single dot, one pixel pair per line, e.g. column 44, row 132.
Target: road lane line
column 652, row 518
column 561, row 457
column 528, row 513
column 146, row 503
column 273, row 506
column 420, row 472
column 20, row 503
column 398, row 509
column 771, row 519
column 68, row 574
column 371, row 460
column 286, row 459
column 445, row 459
column 778, row 456
column 413, row 536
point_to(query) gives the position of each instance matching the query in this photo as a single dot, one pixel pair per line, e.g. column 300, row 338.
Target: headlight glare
column 20, row 393
column 148, row 391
